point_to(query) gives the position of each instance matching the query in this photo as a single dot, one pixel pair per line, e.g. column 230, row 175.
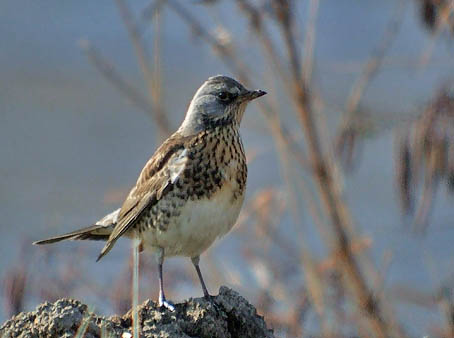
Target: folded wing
column 155, row 180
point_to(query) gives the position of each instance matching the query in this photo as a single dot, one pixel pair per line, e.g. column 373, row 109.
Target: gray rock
column 225, row 315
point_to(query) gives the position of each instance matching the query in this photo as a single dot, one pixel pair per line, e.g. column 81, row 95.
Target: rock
column 225, row 315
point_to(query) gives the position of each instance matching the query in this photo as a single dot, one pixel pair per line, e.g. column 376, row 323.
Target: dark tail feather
column 100, row 231
column 95, row 232
column 109, row 245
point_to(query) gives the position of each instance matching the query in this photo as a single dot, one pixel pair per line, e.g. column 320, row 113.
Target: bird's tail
column 101, row 230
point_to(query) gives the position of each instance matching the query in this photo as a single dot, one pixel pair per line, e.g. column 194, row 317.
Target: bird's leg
column 195, row 261
column 162, row 297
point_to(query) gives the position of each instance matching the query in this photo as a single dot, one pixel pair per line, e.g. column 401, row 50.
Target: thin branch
column 257, row 23
column 348, row 134
column 225, row 53
column 156, row 76
column 327, row 187
column 374, row 63
column 309, row 41
column 115, row 78
column 159, row 115
column 446, row 11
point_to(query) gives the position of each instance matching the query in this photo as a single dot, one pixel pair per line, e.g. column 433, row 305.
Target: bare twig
column 156, row 76
column 348, row 134
column 112, row 75
column 372, row 66
column 256, row 22
column 446, row 10
column 327, row 188
column 308, row 48
column 159, row 115
column 446, row 305
column 225, row 53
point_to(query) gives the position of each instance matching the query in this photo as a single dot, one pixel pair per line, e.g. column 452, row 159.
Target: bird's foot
column 166, row 304
column 212, row 300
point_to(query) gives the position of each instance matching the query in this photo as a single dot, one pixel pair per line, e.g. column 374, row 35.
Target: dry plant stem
column 111, row 74
column 425, row 205
column 328, row 192
column 149, row 12
column 409, row 295
column 225, row 53
column 447, row 308
column 159, row 115
column 404, row 171
column 280, row 241
column 156, row 68
column 309, row 41
column 281, row 134
column 374, row 63
column 446, row 11
column 14, row 285
column 314, row 281
column 316, row 285
column 83, row 326
column 307, row 74
column 337, row 212
column 347, row 137
column 278, row 129
column 257, row 24
column 135, row 287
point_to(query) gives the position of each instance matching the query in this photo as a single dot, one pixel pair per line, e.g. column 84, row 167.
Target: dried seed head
column 427, row 147
column 404, row 174
column 437, row 13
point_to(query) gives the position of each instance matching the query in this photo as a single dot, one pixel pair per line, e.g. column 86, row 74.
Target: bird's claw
column 166, row 304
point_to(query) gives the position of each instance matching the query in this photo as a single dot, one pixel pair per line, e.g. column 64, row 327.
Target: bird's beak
column 252, row 94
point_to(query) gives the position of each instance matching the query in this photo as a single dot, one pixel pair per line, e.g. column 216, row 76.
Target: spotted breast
column 208, row 183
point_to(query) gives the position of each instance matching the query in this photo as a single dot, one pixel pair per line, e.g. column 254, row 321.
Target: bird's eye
column 224, row 96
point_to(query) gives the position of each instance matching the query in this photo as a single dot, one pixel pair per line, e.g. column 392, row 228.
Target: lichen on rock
column 225, row 315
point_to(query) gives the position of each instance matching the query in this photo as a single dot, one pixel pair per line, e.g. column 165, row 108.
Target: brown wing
column 153, row 183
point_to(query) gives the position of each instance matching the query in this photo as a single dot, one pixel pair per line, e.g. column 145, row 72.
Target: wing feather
column 155, row 180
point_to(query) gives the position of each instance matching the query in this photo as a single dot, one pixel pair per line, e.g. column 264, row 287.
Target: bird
column 190, row 192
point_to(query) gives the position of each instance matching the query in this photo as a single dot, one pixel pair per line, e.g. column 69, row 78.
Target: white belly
column 199, row 224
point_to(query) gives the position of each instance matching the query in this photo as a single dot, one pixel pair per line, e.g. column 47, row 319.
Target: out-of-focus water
column 68, row 138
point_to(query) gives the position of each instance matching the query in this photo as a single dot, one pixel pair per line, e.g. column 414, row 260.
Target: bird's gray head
column 219, row 101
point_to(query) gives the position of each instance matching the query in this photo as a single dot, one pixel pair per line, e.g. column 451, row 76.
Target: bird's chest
column 217, row 164
column 211, row 189
column 202, row 221
column 199, row 222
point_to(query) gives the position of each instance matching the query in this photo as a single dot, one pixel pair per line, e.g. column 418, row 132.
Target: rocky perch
column 225, row 315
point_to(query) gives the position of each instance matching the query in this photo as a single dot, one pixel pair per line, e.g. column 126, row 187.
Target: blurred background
column 347, row 228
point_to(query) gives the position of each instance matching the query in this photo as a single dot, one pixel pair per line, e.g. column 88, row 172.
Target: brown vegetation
column 342, row 288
